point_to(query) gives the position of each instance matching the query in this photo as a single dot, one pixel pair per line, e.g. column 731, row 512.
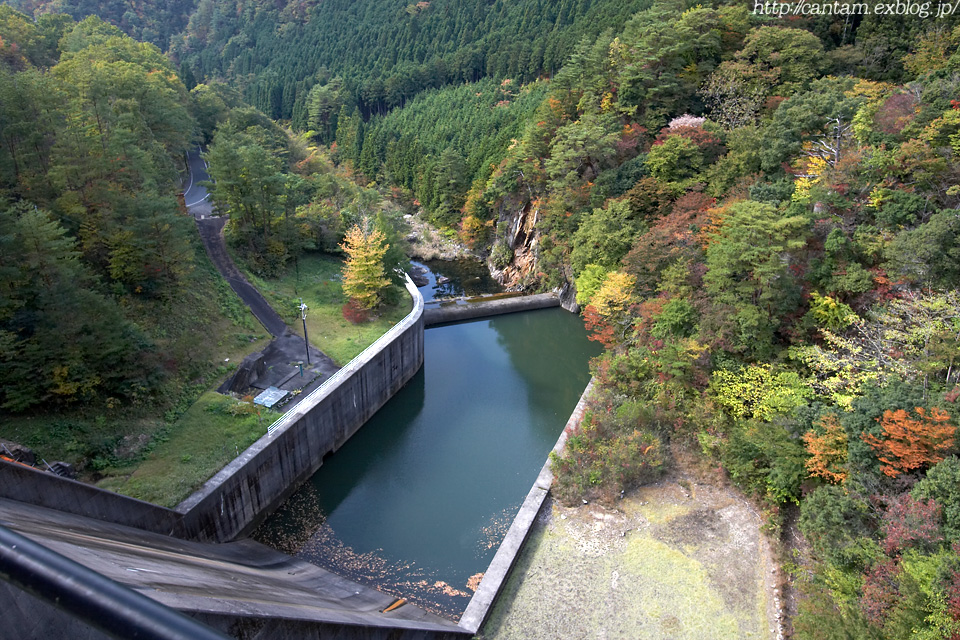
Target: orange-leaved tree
column 828, row 452
column 911, row 443
column 608, row 315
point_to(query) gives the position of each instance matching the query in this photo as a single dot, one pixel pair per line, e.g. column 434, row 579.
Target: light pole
column 303, row 316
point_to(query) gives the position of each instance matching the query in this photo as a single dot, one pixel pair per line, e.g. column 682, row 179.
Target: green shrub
column 501, row 255
column 614, row 448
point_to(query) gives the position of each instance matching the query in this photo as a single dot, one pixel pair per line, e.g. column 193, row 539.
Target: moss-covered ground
column 668, row 562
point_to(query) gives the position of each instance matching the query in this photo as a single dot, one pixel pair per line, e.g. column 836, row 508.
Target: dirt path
column 674, row 560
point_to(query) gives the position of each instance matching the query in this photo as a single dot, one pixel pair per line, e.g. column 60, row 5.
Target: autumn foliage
column 880, row 590
column 354, row 312
column 828, row 452
column 910, row 443
column 608, row 314
column 911, row 523
column 363, row 274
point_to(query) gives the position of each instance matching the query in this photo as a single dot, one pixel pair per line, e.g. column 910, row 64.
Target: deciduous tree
column 748, row 274
column 912, row 443
column 608, row 314
column 363, row 274
column 828, row 451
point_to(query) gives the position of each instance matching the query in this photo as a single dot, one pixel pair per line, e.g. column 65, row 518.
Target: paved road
column 211, row 234
column 287, row 347
column 196, row 197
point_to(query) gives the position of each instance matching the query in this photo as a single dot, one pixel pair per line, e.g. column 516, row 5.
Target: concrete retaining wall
column 461, row 309
column 48, row 490
column 247, row 490
column 246, row 586
column 496, row 574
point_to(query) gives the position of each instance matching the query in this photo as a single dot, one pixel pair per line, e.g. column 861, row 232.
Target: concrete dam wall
column 235, row 500
column 461, row 309
column 242, row 589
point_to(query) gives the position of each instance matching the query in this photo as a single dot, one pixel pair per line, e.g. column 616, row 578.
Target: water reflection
column 452, row 278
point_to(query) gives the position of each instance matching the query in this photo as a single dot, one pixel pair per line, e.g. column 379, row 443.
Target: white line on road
column 193, row 204
column 189, row 186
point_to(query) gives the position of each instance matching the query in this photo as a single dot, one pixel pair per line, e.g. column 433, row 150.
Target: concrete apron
column 496, row 574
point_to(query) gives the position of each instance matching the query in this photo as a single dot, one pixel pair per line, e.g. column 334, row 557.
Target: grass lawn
column 202, row 441
column 317, row 279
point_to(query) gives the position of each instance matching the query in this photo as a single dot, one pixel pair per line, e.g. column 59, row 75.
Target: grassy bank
column 316, row 278
column 211, row 433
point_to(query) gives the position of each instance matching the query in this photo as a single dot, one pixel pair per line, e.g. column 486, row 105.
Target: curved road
column 287, row 346
column 195, row 196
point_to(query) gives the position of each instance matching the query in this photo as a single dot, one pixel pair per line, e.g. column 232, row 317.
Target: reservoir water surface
column 418, row 501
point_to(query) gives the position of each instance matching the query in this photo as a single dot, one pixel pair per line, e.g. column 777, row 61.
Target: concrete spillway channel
column 233, row 587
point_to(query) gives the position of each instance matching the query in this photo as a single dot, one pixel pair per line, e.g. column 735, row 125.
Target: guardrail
column 91, row 597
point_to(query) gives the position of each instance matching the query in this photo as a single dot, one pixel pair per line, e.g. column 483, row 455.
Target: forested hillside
column 93, row 127
column 762, row 228
column 104, row 299
column 152, row 21
column 375, row 56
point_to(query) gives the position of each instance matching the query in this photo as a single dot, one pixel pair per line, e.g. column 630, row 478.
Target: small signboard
column 270, row 396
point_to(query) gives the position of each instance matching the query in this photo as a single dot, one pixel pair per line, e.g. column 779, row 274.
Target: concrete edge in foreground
column 496, row 575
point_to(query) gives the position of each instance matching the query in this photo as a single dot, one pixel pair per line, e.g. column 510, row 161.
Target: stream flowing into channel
column 417, row 502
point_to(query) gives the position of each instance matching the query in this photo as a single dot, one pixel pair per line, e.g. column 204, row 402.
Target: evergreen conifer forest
column 759, row 213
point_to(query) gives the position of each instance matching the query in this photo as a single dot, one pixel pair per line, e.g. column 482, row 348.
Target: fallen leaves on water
column 474, row 582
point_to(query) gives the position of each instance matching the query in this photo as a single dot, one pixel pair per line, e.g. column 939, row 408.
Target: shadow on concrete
column 225, row 585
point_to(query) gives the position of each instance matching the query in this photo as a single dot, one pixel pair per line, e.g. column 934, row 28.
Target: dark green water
column 420, row 498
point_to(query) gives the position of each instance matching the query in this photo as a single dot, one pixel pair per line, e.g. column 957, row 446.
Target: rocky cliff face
column 426, row 242
column 520, row 235
column 518, row 226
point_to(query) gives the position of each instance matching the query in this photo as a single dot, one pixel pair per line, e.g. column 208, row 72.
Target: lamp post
column 303, row 316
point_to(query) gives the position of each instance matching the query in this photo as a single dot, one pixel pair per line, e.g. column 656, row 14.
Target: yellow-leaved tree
column 363, row 274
